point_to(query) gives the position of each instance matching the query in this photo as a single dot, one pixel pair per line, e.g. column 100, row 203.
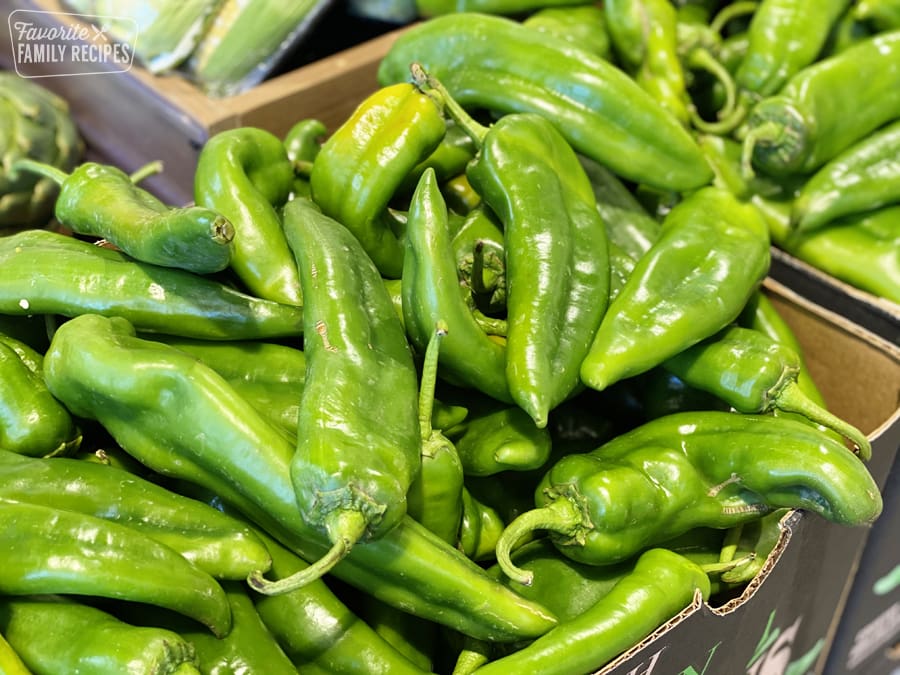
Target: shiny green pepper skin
column 711, row 255
column 496, row 63
column 676, row 473
column 41, row 630
column 32, row 421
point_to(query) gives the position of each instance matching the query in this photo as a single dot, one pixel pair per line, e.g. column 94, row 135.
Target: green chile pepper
column 582, row 25
column 448, row 160
column 882, row 15
column 363, row 164
column 214, row 542
column 358, row 437
column 862, row 250
column 78, row 278
column 435, row 496
column 755, row 374
column 432, row 292
column 480, row 258
column 32, row 421
column 245, row 175
column 479, row 529
column 58, row 635
column 675, row 473
column 409, row 635
column 101, row 371
column 785, row 36
column 864, row 177
column 101, row 200
column 801, row 128
column 84, row 555
column 316, row 629
column 496, row 63
column 711, row 256
column 500, row 439
column 557, row 265
column 761, row 314
column 645, row 37
column 10, row 662
column 662, row 584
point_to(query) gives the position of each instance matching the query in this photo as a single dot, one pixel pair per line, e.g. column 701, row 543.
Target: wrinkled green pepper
column 101, row 200
column 676, row 473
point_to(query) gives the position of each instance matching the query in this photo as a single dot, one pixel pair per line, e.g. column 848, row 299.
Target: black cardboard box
column 868, row 637
column 785, row 621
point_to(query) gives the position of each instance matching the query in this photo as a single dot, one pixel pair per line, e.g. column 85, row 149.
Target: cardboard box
column 868, row 637
column 785, row 621
column 132, row 117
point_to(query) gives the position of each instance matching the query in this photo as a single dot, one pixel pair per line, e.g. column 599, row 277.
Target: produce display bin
column 132, row 117
column 786, row 619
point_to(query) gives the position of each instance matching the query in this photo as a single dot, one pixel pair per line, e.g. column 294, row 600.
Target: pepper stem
column 48, row 171
column 768, row 131
column 457, row 113
column 561, row 515
column 149, row 169
column 429, row 380
column 792, row 399
column 731, row 113
column 730, row 12
column 348, row 529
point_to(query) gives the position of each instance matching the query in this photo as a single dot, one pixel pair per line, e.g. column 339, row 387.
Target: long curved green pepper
column 84, row 555
column 800, row 128
column 756, row 374
column 32, row 421
column 57, row 635
column 216, row 543
column 81, row 278
column 365, row 161
column 661, row 584
column 676, row 473
column 358, row 438
column 557, row 263
column 101, row 200
column 435, row 496
column 864, row 177
column 102, row 371
column 245, row 175
column 644, row 35
column 432, row 292
column 711, row 256
column 496, row 63
column 785, row 36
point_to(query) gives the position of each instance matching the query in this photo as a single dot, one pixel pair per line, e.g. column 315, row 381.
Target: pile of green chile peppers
column 484, row 378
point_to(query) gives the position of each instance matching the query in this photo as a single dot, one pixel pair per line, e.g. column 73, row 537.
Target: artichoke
column 34, row 123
